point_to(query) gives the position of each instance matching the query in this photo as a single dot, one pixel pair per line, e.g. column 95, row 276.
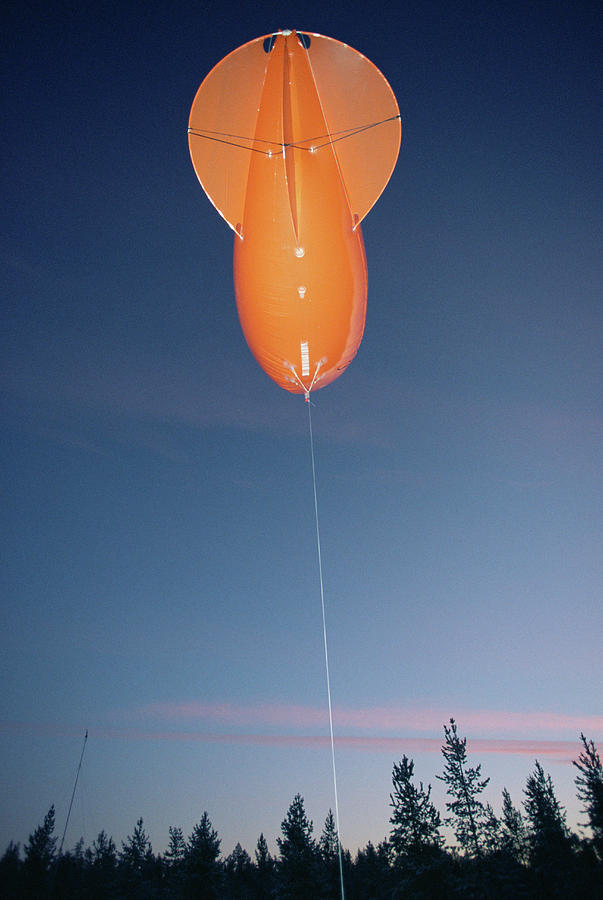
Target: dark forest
column 525, row 850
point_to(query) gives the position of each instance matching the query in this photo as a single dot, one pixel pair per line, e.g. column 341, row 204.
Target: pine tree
column 298, row 863
column 40, row 847
column 590, row 791
column 545, row 814
column 136, row 850
column 265, row 868
column 513, row 831
column 491, row 830
column 203, row 870
column 10, row 871
column 102, row 871
column 174, row 863
column 465, row 784
column 263, row 859
column 549, row 837
column 372, row 873
column 329, row 841
column 176, row 851
column 238, row 875
column 103, row 851
column 136, row 862
column 40, row 855
column 416, row 821
column 328, row 848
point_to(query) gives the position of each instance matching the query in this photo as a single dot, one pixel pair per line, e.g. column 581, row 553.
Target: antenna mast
column 77, row 775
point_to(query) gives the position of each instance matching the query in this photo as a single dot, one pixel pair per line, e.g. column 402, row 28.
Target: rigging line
column 217, row 135
column 231, row 143
column 77, row 775
column 334, row 137
column 342, row 135
column 326, row 649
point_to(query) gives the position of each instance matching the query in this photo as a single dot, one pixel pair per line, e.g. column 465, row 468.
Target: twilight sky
column 159, row 578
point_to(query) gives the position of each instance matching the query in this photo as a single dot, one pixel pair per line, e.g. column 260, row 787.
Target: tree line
column 516, row 853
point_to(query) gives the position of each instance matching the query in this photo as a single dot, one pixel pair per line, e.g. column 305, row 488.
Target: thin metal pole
column 77, row 775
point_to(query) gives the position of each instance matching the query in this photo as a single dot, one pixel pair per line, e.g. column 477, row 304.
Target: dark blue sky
column 159, row 580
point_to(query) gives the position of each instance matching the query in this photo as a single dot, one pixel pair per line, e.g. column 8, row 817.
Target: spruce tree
column 328, row 848
column 40, row 847
column 513, row 831
column 416, row 821
column 329, row 842
column 176, row 851
column 10, row 871
column 136, row 850
column 298, row 863
column 174, row 862
column 238, row 875
column 202, row 867
column 102, row 871
column 545, row 814
column 590, row 791
column 549, row 836
column 464, row 785
column 265, row 867
column 40, row 856
column 103, row 851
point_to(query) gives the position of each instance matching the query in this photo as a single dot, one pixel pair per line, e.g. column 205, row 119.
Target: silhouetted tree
column 70, row 876
column 491, row 830
column 464, row 785
column 545, row 814
column 176, row 851
column 549, row 836
column 238, row 875
column 328, row 848
column 137, row 863
column 103, row 851
column 174, row 859
column 514, row 840
column 298, row 874
column 265, row 870
column 329, row 841
column 204, row 874
column 529, row 856
column 372, row 873
column 416, row 821
column 590, row 791
column 136, row 850
column 40, row 854
column 10, row 871
column 102, row 870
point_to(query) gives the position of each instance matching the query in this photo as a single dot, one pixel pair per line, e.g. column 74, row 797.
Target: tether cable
column 326, row 648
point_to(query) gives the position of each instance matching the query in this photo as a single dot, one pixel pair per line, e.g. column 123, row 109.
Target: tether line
column 326, row 647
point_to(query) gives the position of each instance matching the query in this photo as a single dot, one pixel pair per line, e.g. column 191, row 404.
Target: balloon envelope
column 293, row 138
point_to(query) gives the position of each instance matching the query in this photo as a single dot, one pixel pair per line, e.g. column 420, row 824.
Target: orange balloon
column 293, row 137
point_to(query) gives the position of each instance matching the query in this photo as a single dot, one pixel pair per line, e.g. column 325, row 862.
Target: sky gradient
column 159, row 578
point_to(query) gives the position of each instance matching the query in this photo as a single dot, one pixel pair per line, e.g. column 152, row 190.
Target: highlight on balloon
column 293, row 137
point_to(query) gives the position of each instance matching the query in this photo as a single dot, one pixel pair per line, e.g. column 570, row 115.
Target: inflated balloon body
column 293, row 137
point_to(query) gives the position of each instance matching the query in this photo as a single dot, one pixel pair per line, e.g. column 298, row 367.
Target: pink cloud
column 553, row 750
column 486, row 723
column 562, row 751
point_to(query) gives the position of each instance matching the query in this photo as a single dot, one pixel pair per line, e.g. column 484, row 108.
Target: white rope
column 324, row 634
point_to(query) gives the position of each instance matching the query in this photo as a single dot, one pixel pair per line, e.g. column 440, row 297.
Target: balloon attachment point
column 307, row 396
